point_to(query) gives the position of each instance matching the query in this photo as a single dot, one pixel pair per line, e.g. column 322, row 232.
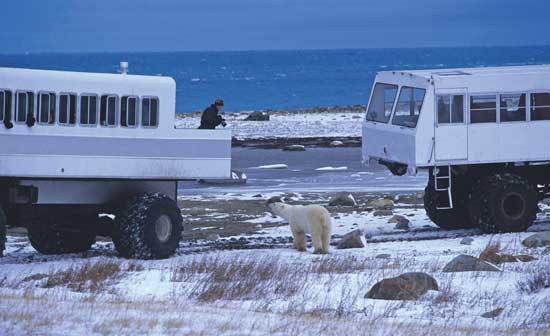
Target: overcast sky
column 179, row 25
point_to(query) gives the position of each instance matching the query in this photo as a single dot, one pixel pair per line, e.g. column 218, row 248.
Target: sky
column 181, row 25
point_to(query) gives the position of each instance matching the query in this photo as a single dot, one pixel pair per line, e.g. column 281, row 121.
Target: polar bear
column 311, row 219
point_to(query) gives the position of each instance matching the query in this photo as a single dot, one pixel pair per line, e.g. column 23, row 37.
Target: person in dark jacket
column 210, row 117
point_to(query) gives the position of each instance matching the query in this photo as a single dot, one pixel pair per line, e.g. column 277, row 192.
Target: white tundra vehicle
column 483, row 133
column 76, row 146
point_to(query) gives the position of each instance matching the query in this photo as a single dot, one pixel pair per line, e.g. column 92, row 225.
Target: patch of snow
column 332, row 168
column 273, row 166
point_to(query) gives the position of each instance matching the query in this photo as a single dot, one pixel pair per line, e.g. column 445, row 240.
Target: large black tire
column 46, row 238
column 449, row 219
column 3, row 224
column 503, row 203
column 148, row 227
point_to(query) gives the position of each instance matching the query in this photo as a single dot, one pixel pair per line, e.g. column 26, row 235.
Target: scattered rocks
column 383, row 256
column 493, row 313
column 380, row 213
column 342, row 199
column 466, row 241
column 213, row 236
column 537, row 240
column 402, row 223
column 351, row 240
column 407, row 286
column 294, row 148
column 257, row 116
column 382, row 203
column 336, row 143
column 466, row 263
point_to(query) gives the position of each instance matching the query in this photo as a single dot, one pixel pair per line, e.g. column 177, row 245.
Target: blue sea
column 258, row 80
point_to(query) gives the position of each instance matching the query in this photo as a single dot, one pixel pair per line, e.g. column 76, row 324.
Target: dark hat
column 218, row 102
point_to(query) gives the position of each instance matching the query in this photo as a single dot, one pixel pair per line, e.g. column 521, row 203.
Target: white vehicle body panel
column 430, row 144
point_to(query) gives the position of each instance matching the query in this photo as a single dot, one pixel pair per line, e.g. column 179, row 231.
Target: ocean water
column 257, row 80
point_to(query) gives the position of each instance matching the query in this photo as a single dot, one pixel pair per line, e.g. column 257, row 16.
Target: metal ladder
column 443, row 183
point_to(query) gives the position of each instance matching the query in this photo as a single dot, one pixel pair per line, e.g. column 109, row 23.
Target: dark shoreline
column 280, row 143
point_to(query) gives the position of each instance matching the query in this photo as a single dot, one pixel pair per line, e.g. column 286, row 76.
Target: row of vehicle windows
column 451, row 108
column 87, row 109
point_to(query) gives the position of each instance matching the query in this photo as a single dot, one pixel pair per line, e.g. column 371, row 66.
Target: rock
column 258, row 196
column 401, row 221
column 402, row 226
column 525, row 258
column 382, row 203
column 213, row 236
column 546, row 201
column 380, row 213
column 466, row 241
column 257, row 116
column 355, row 117
column 336, row 143
column 351, row 240
column 342, row 199
column 537, row 240
column 466, row 263
column 258, row 226
column 407, row 286
column 493, row 313
column 294, row 148
column 383, row 256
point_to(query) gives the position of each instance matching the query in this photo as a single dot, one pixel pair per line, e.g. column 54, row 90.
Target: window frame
column 9, row 108
column 39, row 108
column 16, row 109
column 79, row 109
column 398, row 88
column 397, row 102
column 141, row 112
column 76, row 106
column 497, row 107
column 464, row 109
column 117, row 109
column 531, row 107
column 138, row 110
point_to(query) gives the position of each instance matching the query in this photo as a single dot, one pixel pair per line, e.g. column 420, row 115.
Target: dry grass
column 535, row 281
column 89, row 277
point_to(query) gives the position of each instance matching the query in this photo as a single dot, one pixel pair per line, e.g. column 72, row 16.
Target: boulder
column 294, row 148
column 537, row 240
column 466, row 263
column 213, row 236
column 466, row 241
column 342, row 199
column 407, row 286
column 383, row 256
column 257, row 116
column 382, row 203
column 546, row 201
column 493, row 313
column 351, row 240
column 402, row 226
column 380, row 213
column 401, row 223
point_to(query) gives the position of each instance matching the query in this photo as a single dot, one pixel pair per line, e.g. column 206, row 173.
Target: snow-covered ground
column 292, row 125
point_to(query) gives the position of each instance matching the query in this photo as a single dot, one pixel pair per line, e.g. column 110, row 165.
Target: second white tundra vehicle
column 482, row 133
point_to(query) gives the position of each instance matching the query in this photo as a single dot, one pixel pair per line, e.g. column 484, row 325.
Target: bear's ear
column 274, row 199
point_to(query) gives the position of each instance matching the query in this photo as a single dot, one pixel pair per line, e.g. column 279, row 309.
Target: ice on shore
column 332, row 168
column 273, row 166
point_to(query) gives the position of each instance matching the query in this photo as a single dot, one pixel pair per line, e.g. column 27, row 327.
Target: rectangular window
column 67, row 109
column 450, row 109
column 46, row 107
column 381, row 103
column 88, row 110
column 149, row 112
column 512, row 107
column 5, row 105
column 483, row 109
column 540, row 106
column 409, row 106
column 108, row 111
column 24, row 106
column 129, row 111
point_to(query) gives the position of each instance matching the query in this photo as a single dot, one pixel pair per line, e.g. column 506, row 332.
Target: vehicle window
column 67, row 109
column 540, row 106
column 129, row 111
column 5, row 105
column 149, row 112
column 88, row 110
column 512, row 107
column 108, row 111
column 450, row 109
column 381, row 103
column 46, row 107
column 408, row 106
column 483, row 109
column 24, row 106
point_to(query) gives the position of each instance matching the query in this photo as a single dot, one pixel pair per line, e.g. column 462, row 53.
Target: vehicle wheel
column 47, row 239
column 3, row 223
column 449, row 219
column 503, row 203
column 148, row 227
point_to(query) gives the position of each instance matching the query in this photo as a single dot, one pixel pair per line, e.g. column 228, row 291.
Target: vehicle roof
column 480, row 71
